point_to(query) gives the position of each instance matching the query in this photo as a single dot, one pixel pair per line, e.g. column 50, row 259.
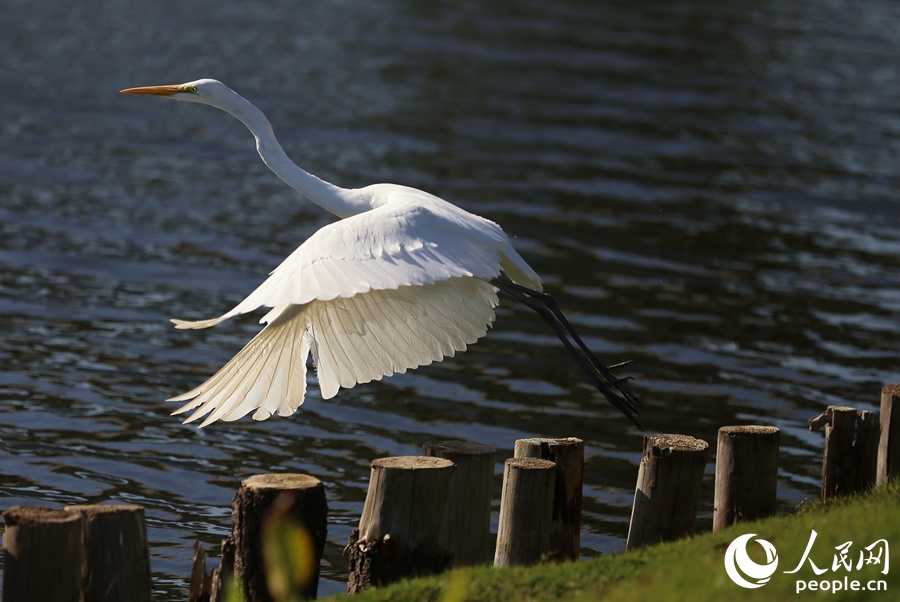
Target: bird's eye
column 188, row 89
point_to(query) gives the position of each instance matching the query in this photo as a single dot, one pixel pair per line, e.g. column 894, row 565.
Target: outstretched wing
column 352, row 339
column 405, row 243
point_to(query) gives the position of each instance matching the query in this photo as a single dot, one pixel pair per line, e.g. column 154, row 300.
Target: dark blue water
column 708, row 188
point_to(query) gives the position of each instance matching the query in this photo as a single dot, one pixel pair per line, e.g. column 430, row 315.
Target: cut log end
column 666, row 444
column 281, row 481
column 750, row 429
column 891, row 390
column 412, row 463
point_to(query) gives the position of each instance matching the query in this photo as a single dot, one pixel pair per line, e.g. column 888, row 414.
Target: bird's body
column 402, row 280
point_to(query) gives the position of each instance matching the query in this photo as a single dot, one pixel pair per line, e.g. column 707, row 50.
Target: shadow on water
column 707, row 188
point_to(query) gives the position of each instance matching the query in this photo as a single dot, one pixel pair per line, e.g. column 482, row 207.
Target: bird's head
column 203, row 91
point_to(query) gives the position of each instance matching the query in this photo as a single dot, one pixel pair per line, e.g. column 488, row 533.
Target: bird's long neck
column 339, row 201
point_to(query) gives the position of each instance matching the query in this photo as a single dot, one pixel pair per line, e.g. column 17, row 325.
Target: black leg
column 612, row 388
column 550, row 302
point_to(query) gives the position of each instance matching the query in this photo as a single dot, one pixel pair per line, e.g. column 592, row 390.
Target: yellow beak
column 153, row 90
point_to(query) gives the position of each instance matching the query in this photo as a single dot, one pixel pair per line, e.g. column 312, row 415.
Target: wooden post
column 222, row 577
column 116, row 563
column 667, row 491
column 526, row 510
column 746, row 474
column 467, row 524
column 850, row 461
column 568, row 454
column 889, row 444
column 268, row 497
column 200, row 585
column 210, row 586
column 868, row 431
column 42, row 555
column 838, row 462
column 400, row 530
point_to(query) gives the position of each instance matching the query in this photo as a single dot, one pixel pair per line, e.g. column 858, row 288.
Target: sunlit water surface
column 708, row 188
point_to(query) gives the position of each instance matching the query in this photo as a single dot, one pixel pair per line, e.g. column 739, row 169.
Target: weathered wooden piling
column 266, row 497
column 42, row 555
column 838, row 465
column 565, row 525
column 222, row 576
column 526, row 511
column 889, row 444
column 116, row 556
column 400, row 531
column 667, row 491
column 868, row 433
column 467, row 523
column 200, row 582
column 850, row 460
column 746, row 474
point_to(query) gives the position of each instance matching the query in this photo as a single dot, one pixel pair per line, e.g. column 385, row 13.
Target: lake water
column 708, row 188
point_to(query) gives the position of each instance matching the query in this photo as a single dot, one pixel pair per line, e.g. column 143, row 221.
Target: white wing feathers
column 268, row 375
column 384, row 248
column 352, row 339
column 378, row 293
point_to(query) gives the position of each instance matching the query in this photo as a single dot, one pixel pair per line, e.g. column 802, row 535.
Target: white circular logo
column 738, row 563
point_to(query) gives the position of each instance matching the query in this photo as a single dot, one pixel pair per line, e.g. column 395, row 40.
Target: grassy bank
column 694, row 568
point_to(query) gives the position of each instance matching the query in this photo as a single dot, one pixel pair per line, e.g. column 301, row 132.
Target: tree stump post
column 746, row 474
column 838, row 462
column 667, row 491
column 868, row 431
column 221, row 577
column 116, row 556
column 467, row 524
column 42, row 555
column 400, row 531
column 850, row 461
column 526, row 511
column 269, row 497
column 889, row 444
column 200, row 584
column 565, row 526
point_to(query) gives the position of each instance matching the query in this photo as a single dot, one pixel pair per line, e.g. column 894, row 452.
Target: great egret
column 402, row 280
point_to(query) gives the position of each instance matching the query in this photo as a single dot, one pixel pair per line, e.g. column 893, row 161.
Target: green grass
column 691, row 568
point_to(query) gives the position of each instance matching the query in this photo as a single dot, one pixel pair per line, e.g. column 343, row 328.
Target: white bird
column 403, row 279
